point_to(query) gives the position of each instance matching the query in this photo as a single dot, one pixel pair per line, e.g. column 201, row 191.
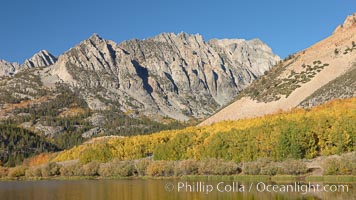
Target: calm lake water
column 161, row 189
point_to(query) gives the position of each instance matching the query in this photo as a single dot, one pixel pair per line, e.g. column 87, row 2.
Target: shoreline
column 244, row 178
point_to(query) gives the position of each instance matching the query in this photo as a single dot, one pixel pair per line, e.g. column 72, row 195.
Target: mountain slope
column 40, row 59
column 7, row 68
column 101, row 88
column 176, row 76
column 295, row 79
column 281, row 136
column 341, row 87
column 17, row 144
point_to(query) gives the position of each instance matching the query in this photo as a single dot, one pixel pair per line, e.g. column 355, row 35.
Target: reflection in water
column 140, row 189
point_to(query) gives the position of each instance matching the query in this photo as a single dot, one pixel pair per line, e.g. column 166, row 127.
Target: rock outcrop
column 180, row 76
column 40, row 59
column 349, row 22
column 7, row 68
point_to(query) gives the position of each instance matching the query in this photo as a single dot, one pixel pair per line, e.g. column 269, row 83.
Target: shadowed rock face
column 180, row 76
column 40, row 59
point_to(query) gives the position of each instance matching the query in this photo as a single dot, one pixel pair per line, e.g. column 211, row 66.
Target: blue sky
column 28, row 26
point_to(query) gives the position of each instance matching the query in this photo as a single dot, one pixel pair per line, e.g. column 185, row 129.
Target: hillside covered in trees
column 324, row 130
column 16, row 144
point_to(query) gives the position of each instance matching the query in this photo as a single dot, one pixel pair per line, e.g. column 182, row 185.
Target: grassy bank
column 261, row 169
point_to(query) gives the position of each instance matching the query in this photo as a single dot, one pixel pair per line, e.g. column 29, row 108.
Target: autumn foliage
column 40, row 159
column 324, row 130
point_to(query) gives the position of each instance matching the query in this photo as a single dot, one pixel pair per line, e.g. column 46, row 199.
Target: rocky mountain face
column 99, row 87
column 179, row 76
column 320, row 73
column 7, row 68
column 40, row 59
